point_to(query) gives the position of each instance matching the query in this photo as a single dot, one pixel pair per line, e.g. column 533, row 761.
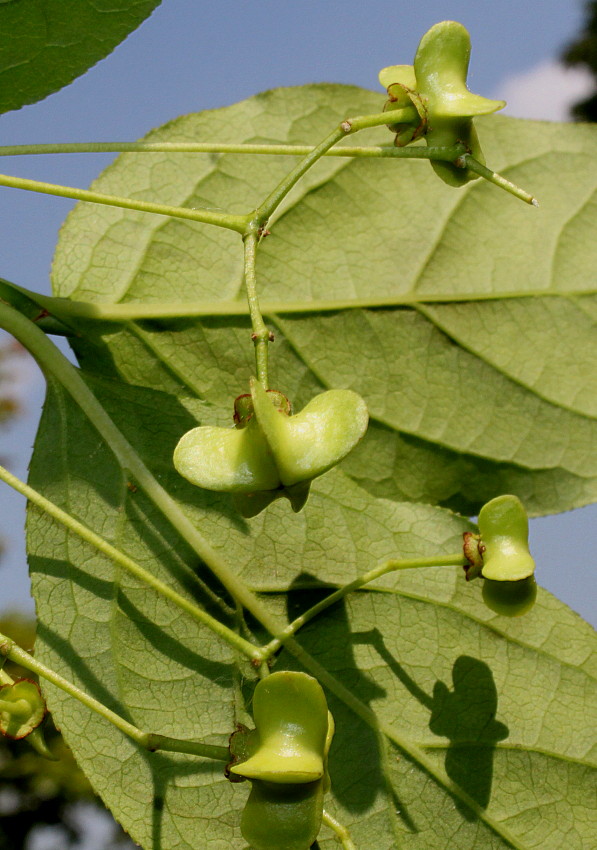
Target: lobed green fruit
column 437, row 80
column 271, row 453
column 508, row 566
column 285, row 757
column 504, row 532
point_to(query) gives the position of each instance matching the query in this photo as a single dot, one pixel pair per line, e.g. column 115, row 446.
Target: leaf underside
column 45, row 44
column 478, row 379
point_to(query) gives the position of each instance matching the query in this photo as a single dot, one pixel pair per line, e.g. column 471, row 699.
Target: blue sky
column 192, row 55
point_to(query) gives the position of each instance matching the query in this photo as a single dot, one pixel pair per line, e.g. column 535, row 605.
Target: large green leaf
column 455, row 727
column 45, row 44
column 501, row 711
column 473, row 313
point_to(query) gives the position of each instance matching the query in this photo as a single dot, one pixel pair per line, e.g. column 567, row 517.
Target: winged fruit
column 270, row 453
column 285, row 757
column 509, row 587
column 436, row 85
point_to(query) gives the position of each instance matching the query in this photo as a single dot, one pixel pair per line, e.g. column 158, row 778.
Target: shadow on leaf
column 466, row 715
column 171, row 647
column 355, row 744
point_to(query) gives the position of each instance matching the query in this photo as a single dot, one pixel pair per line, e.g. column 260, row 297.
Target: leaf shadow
column 88, row 680
column 159, row 639
column 171, row 647
column 164, row 769
column 176, row 556
column 465, row 714
column 60, row 568
column 331, row 643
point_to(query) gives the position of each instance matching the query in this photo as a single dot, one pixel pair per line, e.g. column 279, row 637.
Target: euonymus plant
column 261, row 309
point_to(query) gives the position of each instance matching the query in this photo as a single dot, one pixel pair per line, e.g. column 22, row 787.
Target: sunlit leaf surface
column 472, row 341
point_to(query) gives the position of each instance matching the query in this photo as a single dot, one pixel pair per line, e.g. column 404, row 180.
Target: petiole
column 148, row 740
column 228, row 635
column 451, row 560
column 342, row 833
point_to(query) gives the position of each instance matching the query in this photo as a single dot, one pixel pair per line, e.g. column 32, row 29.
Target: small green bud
column 22, row 708
column 285, row 758
column 271, row 453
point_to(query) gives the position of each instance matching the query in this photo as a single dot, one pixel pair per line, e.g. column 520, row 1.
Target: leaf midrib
column 388, row 423
column 125, row 311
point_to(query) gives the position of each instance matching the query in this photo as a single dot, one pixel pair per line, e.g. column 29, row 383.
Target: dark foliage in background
column 583, row 52
column 35, row 792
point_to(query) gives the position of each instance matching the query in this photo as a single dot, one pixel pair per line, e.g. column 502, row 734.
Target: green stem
column 342, row 833
column 456, row 559
column 5, row 679
column 232, row 638
column 55, row 363
column 351, row 125
column 265, row 210
column 407, row 115
column 216, row 147
column 468, row 161
column 147, row 740
column 260, row 336
column 231, row 222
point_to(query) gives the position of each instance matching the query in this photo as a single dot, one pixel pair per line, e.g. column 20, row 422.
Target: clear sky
column 193, row 55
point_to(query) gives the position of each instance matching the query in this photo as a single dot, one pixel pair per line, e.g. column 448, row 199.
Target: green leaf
column 454, row 727
column 45, row 44
column 475, row 313
column 469, row 703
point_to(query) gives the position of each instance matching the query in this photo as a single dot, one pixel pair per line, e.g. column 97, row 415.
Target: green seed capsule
column 438, row 79
column 510, row 598
column 509, row 588
column 504, row 531
column 285, row 758
column 271, row 453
